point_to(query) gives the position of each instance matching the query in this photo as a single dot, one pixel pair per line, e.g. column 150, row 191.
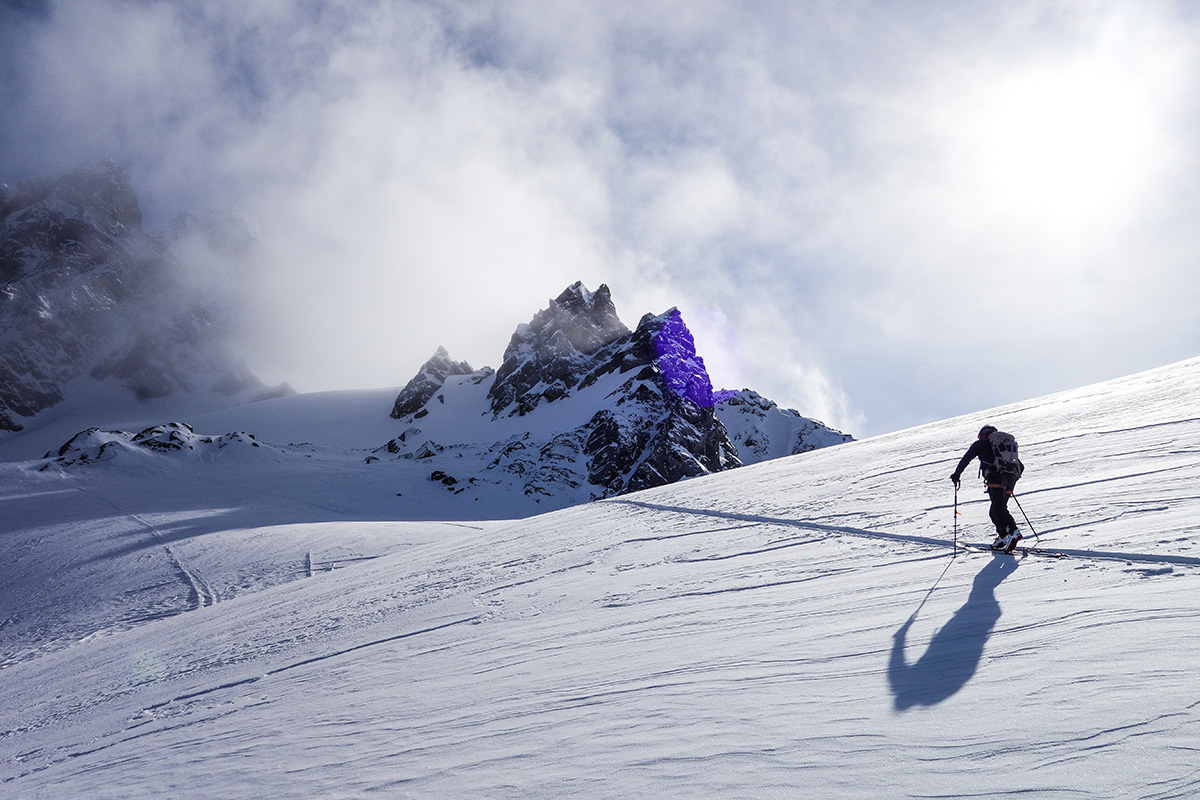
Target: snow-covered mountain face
column 583, row 408
column 87, row 297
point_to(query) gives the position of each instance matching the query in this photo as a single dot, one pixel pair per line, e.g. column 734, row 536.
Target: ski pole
column 1027, row 522
column 956, row 519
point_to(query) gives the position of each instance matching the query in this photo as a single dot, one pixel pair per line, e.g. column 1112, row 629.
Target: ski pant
column 1003, row 520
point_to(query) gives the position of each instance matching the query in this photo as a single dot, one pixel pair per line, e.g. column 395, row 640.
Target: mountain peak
column 577, row 296
column 629, row 410
column 99, row 195
column 425, row 384
column 554, row 349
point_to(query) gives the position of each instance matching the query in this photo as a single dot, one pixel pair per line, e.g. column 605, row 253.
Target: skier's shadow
column 955, row 651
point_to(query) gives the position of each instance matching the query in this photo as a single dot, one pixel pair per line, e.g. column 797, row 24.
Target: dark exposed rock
column 443, row 478
column 555, row 350
column 655, row 434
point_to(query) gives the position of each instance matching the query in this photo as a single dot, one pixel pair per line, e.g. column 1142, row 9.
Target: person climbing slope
column 1001, row 469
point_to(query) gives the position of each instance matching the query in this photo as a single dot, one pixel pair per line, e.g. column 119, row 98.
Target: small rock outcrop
column 172, row 442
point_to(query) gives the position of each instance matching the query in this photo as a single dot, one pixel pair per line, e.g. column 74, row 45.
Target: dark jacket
column 982, row 449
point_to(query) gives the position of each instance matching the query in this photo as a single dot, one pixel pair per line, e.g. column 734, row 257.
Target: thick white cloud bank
column 877, row 215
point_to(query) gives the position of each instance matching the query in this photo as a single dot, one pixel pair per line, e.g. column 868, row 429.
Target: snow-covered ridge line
column 174, row 441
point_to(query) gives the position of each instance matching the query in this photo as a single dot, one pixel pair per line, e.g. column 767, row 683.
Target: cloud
column 407, row 199
column 828, row 190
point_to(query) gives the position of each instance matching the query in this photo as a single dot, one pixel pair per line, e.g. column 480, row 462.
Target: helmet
column 986, row 431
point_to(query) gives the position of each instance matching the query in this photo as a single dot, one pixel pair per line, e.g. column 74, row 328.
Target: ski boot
column 1007, row 542
column 1010, row 541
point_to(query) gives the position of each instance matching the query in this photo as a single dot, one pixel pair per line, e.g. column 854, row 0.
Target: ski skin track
column 1103, row 555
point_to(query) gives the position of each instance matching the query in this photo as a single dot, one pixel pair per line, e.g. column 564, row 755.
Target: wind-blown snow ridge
column 306, row 662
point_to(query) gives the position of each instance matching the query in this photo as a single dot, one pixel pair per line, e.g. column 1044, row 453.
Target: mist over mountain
column 581, row 407
column 88, row 298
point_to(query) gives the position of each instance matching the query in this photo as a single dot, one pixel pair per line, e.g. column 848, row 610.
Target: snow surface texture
column 796, row 628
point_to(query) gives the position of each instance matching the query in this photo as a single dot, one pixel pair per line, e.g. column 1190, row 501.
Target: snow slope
column 799, row 627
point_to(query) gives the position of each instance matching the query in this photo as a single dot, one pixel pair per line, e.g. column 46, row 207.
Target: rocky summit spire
column 682, row 368
column 551, row 354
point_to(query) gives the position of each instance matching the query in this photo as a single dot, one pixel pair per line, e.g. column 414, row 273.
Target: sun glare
column 1062, row 144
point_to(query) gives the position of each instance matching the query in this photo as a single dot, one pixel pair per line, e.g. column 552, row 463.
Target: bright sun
column 1061, row 144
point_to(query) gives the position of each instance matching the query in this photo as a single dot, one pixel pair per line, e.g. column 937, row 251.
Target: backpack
column 1004, row 454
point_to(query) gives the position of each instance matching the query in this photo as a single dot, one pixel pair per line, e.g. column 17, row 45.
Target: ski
column 1097, row 555
column 1024, row 551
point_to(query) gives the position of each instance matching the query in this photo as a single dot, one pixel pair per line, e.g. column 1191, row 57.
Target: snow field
column 800, row 627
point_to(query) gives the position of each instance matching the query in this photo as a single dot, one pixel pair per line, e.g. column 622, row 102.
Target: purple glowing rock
column 683, row 370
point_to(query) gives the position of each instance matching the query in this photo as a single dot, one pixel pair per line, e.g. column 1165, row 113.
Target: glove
column 955, row 478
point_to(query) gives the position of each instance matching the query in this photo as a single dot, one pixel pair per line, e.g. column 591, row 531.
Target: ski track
column 1190, row 561
column 201, row 594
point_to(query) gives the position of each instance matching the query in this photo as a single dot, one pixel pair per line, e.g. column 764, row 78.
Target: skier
column 1000, row 467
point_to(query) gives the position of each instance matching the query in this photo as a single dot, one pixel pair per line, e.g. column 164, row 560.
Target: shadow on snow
column 954, row 652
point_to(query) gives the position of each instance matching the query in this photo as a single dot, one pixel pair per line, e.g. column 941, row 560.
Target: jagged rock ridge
column 426, row 382
column 549, row 356
column 590, row 409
